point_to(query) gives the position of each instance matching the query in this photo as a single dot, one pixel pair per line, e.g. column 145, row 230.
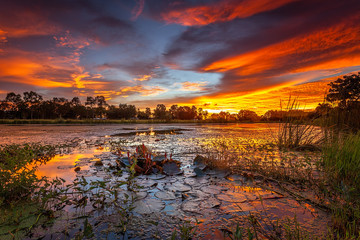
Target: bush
column 18, row 164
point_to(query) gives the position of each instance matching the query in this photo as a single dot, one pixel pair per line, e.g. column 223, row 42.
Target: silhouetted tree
column 90, row 103
column 32, row 101
column 248, row 115
column 160, row 111
column 345, row 90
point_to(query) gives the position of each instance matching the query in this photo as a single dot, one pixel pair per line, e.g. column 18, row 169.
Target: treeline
column 344, row 110
column 31, row 105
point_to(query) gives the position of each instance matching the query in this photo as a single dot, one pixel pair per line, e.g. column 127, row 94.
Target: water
column 217, row 200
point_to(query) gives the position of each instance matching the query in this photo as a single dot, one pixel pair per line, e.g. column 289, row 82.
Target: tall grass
column 296, row 130
column 342, row 162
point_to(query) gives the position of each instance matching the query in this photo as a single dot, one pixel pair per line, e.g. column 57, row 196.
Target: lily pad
column 156, row 176
column 125, row 162
column 171, row 168
column 199, row 172
column 191, row 206
column 165, row 195
column 210, row 203
column 178, row 187
column 212, row 189
column 147, row 206
column 159, row 158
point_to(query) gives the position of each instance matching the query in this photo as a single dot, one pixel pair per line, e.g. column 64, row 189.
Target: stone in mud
column 171, row 168
column 165, row 195
column 147, row 206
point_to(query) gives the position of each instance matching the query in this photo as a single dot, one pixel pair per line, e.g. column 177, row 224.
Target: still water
column 216, row 200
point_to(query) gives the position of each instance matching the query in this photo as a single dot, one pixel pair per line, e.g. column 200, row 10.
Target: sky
column 218, row 55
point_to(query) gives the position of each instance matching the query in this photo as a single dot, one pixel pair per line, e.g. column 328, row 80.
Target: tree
column 322, row 109
column 32, row 100
column 13, row 98
column 345, row 91
column 248, row 115
column 160, row 111
column 174, row 111
column 90, row 101
column 101, row 104
column 75, row 102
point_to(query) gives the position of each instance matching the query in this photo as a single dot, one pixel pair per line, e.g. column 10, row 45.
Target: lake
column 213, row 201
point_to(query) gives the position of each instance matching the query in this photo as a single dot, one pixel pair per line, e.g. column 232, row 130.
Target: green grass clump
column 18, row 164
column 342, row 162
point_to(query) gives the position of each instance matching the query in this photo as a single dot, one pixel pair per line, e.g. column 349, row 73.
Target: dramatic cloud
column 220, row 54
column 221, row 11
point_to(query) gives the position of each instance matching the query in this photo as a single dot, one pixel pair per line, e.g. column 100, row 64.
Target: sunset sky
column 218, row 55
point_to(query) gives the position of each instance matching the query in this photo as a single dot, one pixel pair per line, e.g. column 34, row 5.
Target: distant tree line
column 342, row 107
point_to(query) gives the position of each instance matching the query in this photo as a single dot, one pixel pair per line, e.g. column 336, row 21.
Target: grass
column 341, row 162
column 332, row 174
column 296, row 131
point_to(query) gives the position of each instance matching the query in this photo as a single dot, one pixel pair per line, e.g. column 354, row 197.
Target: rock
column 77, row 169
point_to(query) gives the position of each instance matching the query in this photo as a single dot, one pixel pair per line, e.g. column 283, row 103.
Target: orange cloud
column 221, row 11
column 322, row 49
column 142, row 90
column 22, row 70
column 193, row 86
column 309, row 95
column 143, row 78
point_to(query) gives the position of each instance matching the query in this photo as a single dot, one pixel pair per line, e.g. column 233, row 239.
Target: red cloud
column 222, row 11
